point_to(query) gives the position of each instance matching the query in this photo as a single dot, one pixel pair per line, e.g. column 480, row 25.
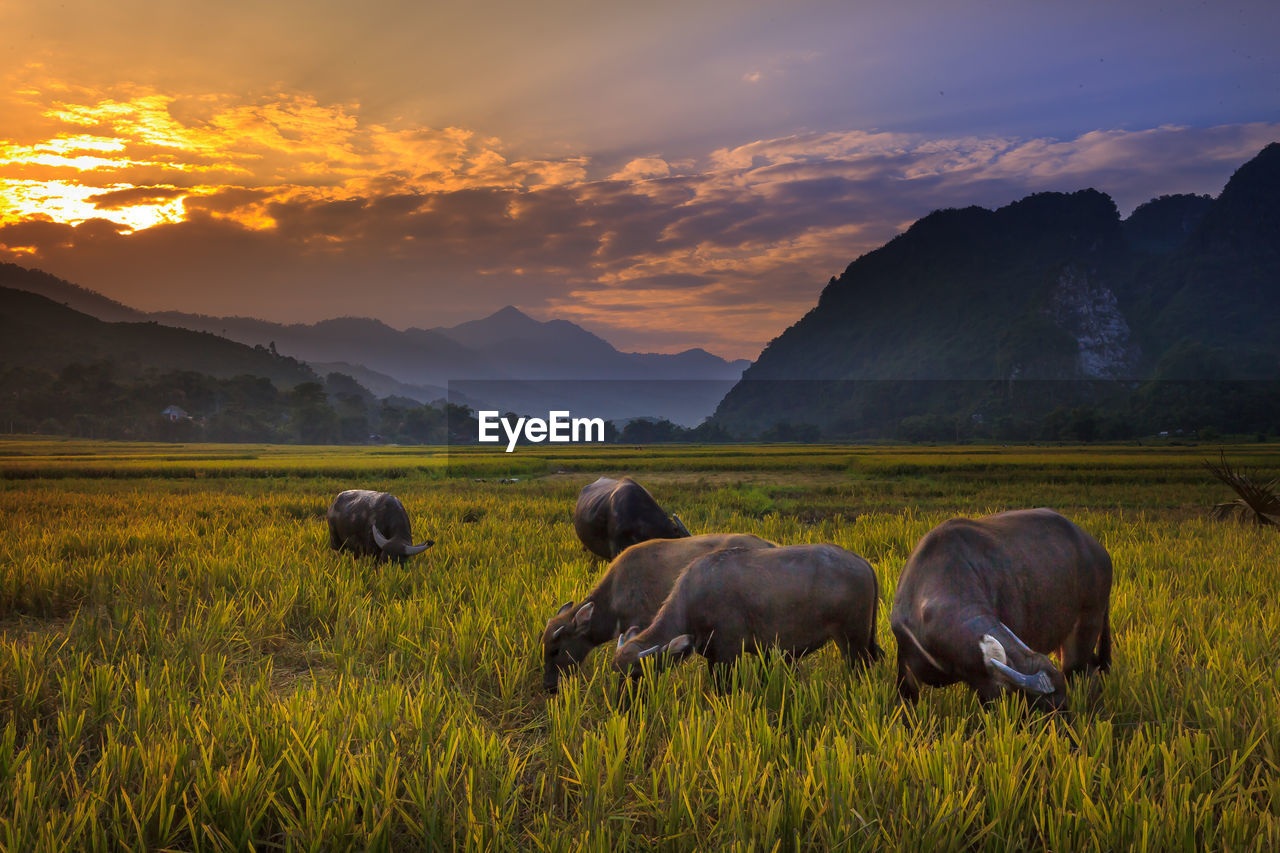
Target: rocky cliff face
column 1054, row 289
column 1085, row 308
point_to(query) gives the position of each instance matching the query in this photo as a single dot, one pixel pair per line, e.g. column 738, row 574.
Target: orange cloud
column 113, row 142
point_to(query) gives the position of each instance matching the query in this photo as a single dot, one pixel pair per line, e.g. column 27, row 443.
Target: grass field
column 184, row 664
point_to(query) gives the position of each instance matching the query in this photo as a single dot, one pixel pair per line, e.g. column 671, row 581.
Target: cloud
column 116, row 140
column 283, row 207
column 642, row 168
column 133, row 196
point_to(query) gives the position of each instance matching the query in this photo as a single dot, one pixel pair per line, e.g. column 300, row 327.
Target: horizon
column 665, row 188
column 505, row 309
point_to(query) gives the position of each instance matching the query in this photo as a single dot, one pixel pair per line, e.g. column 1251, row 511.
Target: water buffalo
column 629, row 593
column 613, row 515
column 984, row 600
column 372, row 524
column 794, row 598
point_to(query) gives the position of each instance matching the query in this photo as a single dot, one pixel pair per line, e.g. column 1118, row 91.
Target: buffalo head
column 1021, row 669
column 565, row 642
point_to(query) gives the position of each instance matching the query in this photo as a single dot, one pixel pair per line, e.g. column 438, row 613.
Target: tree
column 647, row 431
column 1083, row 424
column 786, row 431
column 313, row 420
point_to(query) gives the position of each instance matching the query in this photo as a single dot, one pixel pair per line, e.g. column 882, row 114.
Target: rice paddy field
column 185, row 665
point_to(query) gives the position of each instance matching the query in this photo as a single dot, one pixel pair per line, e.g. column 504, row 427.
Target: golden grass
column 185, row 665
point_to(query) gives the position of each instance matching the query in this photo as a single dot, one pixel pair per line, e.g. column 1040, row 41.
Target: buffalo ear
column 680, row 645
column 992, row 650
column 568, row 605
column 583, row 617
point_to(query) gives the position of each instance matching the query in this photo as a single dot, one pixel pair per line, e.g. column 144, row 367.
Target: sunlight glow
column 62, row 201
column 275, row 149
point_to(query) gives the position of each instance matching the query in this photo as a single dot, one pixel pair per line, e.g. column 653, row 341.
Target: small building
column 176, row 413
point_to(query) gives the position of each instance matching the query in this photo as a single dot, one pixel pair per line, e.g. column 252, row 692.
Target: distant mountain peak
column 351, row 324
column 509, row 312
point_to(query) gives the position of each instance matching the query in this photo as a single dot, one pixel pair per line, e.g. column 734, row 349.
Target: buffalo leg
column 628, row 691
column 858, row 654
column 721, row 675
column 1078, row 657
column 908, row 687
column 1103, row 658
column 988, row 692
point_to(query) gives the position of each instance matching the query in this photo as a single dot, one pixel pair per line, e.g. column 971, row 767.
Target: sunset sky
column 666, row 174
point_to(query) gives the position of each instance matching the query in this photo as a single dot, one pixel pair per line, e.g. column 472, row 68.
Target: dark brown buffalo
column 984, row 601
column 372, row 524
column 613, row 515
column 794, row 599
column 629, row 593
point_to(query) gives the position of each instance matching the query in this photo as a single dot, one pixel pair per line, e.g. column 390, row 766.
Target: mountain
column 414, row 357
column 380, row 384
column 558, row 349
column 557, row 365
column 507, row 344
column 38, row 333
column 1053, row 292
column 504, row 349
column 73, row 296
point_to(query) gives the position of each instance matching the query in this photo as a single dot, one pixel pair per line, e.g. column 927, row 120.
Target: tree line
column 95, row 401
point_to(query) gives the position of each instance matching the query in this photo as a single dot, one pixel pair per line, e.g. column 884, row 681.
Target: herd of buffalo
column 983, row 601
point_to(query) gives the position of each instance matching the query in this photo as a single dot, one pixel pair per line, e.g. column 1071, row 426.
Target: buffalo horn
column 649, row 651
column 410, row 550
column 1038, row 683
column 680, row 525
column 388, row 546
column 557, row 632
column 1016, row 639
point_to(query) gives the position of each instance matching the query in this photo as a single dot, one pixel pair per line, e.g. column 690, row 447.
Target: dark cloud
column 40, row 238
column 117, row 199
column 225, row 201
column 671, row 281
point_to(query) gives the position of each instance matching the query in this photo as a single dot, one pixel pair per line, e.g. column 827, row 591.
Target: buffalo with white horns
column 629, row 593
column 372, row 524
column 985, row 600
column 612, row 515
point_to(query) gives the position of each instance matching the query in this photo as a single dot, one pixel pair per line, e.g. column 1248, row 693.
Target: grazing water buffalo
column 795, row 599
column 629, row 593
column 613, row 515
column 984, row 600
column 372, row 524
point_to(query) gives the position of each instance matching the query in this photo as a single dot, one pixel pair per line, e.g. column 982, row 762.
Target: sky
column 666, row 174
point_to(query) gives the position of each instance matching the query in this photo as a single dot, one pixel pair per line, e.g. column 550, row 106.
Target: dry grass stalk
column 1259, row 503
